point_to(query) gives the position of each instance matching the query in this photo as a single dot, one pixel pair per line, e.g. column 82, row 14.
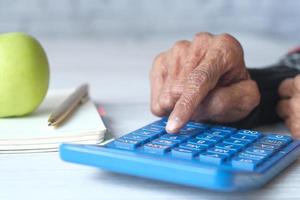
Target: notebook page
column 85, row 120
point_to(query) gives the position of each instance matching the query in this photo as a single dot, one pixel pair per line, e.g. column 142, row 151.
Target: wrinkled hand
column 289, row 107
column 202, row 80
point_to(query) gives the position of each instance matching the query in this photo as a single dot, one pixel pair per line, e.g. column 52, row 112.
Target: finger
column 197, row 51
column 167, row 97
column 286, row 88
column 177, row 88
column 187, row 63
column 297, row 84
column 156, row 87
column 294, row 126
column 200, row 81
column 157, row 82
column 177, row 53
column 186, row 57
column 201, row 42
column 287, row 123
column 289, row 107
column 284, row 109
column 170, row 94
column 166, row 100
column 230, row 103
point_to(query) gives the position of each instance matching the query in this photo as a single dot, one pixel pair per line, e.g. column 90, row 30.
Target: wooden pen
column 66, row 108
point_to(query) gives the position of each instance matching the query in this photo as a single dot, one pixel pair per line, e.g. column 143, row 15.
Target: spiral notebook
column 32, row 134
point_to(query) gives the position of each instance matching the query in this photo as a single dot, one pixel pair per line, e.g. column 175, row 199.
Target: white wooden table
column 118, row 74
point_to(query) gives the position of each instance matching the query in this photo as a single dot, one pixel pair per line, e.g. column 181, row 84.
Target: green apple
column 24, row 74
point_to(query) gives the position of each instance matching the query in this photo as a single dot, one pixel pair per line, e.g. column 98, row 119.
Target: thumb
column 230, row 103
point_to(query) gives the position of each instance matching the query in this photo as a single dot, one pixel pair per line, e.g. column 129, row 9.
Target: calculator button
column 285, row 138
column 156, row 148
column 245, row 163
column 251, row 156
column 223, row 128
column 263, row 152
column 239, row 136
column 209, row 137
column 222, row 134
column 266, row 146
column 191, row 129
column 255, row 134
column 236, row 142
column 275, row 142
column 212, row 157
column 174, row 137
column 153, row 128
column 146, row 133
column 165, row 142
column 193, row 147
column 133, row 136
column 160, row 123
column 184, row 153
column 232, row 147
column 188, row 134
column 226, row 152
column 197, row 125
column 205, row 143
column 126, row 143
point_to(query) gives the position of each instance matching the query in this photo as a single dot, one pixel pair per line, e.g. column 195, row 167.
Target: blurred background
column 111, row 44
column 140, row 19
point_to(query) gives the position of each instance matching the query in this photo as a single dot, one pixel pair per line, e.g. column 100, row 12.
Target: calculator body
column 200, row 155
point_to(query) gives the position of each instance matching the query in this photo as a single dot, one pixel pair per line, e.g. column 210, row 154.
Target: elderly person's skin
column 289, row 107
column 204, row 80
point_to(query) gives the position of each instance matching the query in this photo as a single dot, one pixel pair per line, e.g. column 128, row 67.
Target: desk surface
column 118, row 75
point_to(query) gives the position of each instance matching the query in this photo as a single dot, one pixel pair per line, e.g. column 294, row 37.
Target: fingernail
column 173, row 125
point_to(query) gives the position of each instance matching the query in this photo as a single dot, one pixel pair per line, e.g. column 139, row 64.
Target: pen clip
column 84, row 99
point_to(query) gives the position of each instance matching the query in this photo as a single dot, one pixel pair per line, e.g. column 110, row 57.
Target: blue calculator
column 201, row 155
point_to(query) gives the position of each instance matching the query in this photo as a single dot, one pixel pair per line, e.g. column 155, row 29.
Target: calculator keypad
column 173, row 137
column 156, row 148
column 191, row 146
column 186, row 153
column 241, row 149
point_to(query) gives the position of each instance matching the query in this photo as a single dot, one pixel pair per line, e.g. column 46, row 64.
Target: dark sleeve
column 268, row 80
